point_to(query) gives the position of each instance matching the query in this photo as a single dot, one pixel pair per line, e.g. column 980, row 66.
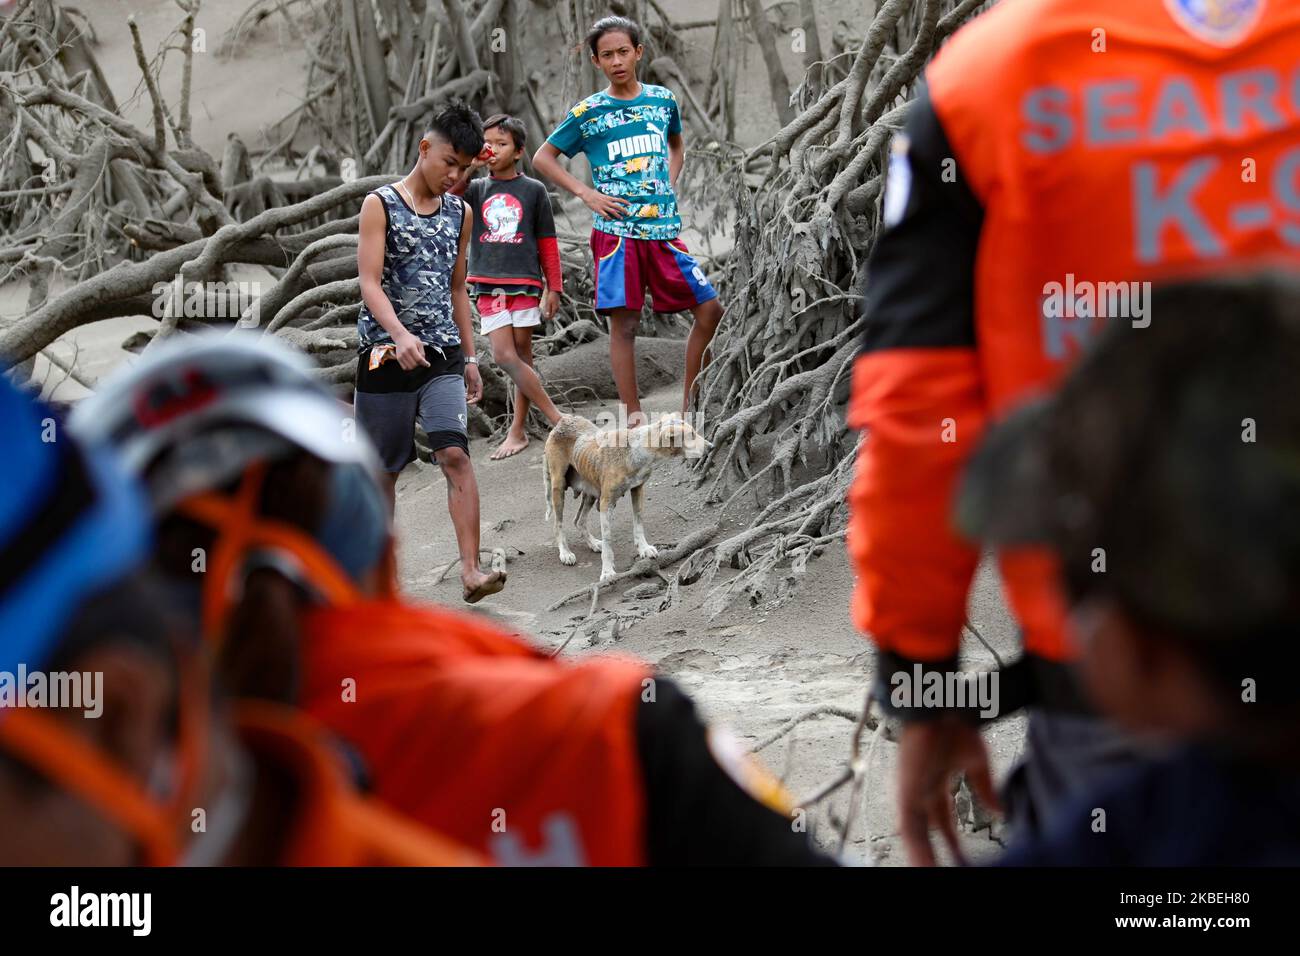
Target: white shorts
column 519, row 318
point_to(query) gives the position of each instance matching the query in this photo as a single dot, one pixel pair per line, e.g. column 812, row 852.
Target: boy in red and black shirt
column 513, row 253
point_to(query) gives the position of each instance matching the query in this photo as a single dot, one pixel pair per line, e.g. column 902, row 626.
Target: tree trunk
column 777, row 81
column 812, row 59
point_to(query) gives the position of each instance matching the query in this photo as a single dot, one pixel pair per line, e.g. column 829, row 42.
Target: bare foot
column 478, row 585
column 512, row 446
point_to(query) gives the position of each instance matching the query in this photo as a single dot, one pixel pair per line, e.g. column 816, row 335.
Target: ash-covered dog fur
column 603, row 465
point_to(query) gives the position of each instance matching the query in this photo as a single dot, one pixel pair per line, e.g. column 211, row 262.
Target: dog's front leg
column 606, row 505
column 644, row 548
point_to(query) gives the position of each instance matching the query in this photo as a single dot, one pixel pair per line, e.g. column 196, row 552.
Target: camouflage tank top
column 419, row 256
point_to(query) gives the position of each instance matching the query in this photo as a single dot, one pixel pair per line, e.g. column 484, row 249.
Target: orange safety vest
column 482, row 736
column 332, row 825
column 1108, row 142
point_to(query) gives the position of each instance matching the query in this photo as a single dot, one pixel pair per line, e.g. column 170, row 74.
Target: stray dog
column 601, row 467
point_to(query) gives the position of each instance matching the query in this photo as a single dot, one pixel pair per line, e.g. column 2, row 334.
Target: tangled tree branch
column 777, row 387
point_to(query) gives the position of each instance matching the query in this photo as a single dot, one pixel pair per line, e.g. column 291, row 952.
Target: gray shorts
column 389, row 419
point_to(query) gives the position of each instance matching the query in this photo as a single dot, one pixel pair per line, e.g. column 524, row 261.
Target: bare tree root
column 688, row 545
column 781, row 363
column 856, row 771
column 826, row 711
column 119, row 291
column 115, row 193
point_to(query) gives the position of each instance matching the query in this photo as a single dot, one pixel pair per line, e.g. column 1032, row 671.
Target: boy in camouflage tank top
column 415, row 332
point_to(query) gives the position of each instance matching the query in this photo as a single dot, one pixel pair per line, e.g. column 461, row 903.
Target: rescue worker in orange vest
column 112, row 749
column 1062, row 156
column 260, row 472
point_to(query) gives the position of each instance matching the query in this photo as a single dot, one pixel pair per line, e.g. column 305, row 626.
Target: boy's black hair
column 459, row 125
column 1174, row 451
column 612, row 25
column 510, row 124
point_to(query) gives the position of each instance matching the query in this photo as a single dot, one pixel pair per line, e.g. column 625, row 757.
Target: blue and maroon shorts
column 626, row 268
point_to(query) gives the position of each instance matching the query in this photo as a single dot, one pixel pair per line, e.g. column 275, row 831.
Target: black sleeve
column 920, row 283
column 698, row 815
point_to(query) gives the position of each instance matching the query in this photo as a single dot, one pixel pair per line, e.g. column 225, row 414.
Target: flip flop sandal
column 495, row 582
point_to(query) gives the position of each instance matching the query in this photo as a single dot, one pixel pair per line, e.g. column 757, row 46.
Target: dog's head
column 673, row 435
column 572, row 426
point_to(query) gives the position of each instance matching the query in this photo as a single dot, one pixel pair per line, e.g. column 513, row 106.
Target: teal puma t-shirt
column 626, row 142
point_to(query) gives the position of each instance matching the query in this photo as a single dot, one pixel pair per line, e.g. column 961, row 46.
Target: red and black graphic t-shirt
column 509, row 217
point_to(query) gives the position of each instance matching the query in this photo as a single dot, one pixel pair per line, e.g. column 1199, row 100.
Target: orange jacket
column 332, row 825
column 1174, row 151
column 479, row 734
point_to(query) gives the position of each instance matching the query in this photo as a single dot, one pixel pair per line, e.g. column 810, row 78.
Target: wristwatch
column 471, row 359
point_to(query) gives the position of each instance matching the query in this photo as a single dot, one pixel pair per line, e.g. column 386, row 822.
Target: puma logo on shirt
column 637, row 145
